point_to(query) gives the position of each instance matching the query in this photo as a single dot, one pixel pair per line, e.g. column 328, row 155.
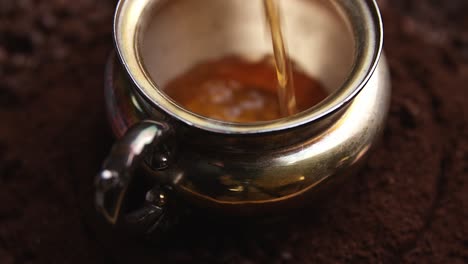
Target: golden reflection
column 239, row 188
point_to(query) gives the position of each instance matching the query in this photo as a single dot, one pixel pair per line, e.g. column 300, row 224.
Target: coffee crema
column 235, row 90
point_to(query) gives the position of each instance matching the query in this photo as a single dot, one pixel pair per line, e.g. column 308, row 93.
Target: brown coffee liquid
column 235, row 90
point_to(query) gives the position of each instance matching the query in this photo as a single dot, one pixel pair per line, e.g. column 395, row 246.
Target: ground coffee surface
column 408, row 205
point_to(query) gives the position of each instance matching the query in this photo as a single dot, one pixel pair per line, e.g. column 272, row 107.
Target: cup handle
column 117, row 171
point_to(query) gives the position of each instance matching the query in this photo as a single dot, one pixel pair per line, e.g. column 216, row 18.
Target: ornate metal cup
column 237, row 168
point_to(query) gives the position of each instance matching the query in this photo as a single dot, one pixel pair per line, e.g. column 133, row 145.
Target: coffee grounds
column 408, row 205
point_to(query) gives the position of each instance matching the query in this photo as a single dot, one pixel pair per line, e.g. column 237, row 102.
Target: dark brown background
column 410, row 203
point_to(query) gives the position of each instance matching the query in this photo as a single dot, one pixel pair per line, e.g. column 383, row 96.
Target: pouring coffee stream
column 286, row 95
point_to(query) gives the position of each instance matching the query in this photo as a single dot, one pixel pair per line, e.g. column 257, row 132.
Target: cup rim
column 367, row 28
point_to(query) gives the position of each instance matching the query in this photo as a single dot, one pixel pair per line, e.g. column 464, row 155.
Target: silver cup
column 238, row 168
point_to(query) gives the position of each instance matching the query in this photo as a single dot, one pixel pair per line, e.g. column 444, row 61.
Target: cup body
column 245, row 174
column 257, row 168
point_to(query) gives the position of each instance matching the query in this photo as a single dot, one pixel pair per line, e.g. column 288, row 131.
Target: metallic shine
column 239, row 168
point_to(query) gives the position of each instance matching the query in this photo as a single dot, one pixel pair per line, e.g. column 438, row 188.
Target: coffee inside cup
column 236, row 90
column 185, row 47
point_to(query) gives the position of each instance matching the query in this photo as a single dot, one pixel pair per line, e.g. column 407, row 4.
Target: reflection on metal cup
column 237, row 168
